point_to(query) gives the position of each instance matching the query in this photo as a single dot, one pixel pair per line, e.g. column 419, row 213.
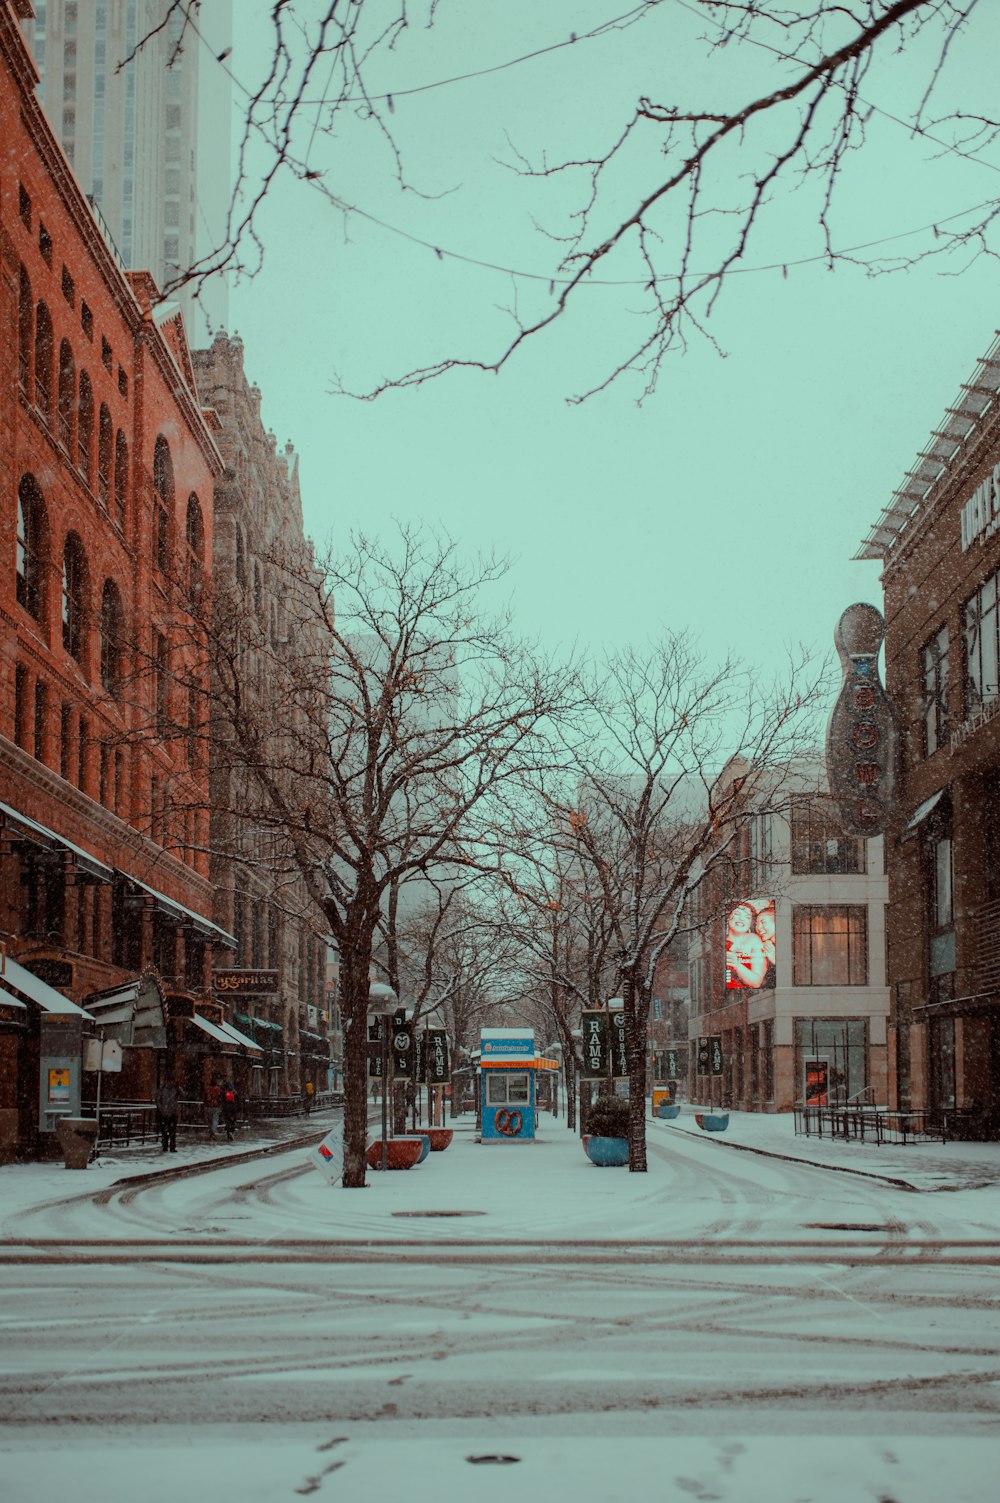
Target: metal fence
column 123, row 1124
column 877, row 1124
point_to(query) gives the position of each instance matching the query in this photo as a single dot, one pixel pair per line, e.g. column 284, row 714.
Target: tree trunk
column 354, row 983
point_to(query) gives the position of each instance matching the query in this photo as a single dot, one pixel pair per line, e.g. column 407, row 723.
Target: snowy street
column 508, row 1301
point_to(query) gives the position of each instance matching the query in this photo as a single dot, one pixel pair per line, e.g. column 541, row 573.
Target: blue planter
column 712, row 1121
column 607, row 1153
column 667, row 1112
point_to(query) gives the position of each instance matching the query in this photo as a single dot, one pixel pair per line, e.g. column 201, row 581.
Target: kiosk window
column 517, row 1089
column 496, row 1089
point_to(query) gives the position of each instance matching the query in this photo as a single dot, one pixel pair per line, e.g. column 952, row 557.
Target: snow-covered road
column 727, row 1326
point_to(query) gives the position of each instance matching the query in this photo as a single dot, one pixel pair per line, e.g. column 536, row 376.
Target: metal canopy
column 44, row 996
column 181, row 915
column 977, row 397
column 31, row 827
column 241, row 1038
column 214, row 1032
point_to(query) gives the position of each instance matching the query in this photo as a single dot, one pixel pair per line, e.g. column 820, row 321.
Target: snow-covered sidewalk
column 475, row 1190
column 917, row 1166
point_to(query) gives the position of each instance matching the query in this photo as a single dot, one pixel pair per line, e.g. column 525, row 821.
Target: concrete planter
column 712, row 1121
column 667, row 1112
column 606, row 1153
column 440, row 1138
column 77, row 1136
column 401, row 1153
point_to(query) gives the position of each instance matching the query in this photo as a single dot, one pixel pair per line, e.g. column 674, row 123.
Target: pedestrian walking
column 308, row 1096
column 167, row 1106
column 230, row 1108
column 213, row 1106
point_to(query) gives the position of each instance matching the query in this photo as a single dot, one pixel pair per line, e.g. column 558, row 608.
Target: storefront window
column 829, row 944
column 830, row 1055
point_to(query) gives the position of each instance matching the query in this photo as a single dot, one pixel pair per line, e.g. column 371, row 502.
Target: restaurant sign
column 245, row 983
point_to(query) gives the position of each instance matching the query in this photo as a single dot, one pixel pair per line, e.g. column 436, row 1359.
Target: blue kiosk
column 508, row 1066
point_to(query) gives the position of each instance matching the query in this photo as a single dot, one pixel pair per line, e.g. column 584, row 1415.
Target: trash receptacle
column 77, row 1136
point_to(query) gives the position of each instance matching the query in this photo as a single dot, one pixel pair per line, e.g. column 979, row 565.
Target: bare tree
column 645, row 813
column 671, row 198
column 386, row 746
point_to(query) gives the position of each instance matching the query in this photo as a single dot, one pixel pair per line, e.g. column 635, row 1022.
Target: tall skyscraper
column 143, row 113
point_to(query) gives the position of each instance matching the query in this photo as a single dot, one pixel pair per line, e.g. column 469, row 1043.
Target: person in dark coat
column 167, row 1105
column 230, row 1109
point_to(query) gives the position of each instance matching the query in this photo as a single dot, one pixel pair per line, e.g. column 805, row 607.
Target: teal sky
column 732, row 500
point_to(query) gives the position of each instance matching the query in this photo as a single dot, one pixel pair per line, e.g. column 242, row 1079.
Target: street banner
column 375, row 1049
column 671, row 1064
column 438, row 1064
column 595, row 1045
column 703, row 1057
column 401, row 1048
column 715, row 1052
column 420, row 1057
column 328, row 1156
column 619, row 1048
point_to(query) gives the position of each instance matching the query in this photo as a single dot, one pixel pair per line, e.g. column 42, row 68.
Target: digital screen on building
column 750, row 956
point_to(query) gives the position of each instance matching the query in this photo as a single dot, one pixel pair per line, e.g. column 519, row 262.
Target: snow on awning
column 181, row 915
column 214, row 1032
column 9, row 1000
column 921, row 812
column 241, row 1038
column 44, row 996
column 32, row 828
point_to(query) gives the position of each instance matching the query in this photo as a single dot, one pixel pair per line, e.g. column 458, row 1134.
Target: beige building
column 804, row 1015
column 258, row 514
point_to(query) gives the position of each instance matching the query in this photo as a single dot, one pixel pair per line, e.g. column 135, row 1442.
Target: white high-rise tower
column 146, row 127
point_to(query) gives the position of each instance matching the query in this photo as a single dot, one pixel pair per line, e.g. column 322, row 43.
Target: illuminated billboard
column 750, row 957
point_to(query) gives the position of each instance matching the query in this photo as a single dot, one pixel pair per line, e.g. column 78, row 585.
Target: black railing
column 125, row 1124
column 878, row 1124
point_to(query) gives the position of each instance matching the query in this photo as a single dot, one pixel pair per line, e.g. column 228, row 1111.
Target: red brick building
column 107, row 467
column 938, row 541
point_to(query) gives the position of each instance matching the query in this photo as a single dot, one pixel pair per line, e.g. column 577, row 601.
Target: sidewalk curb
column 789, row 1158
column 247, row 1156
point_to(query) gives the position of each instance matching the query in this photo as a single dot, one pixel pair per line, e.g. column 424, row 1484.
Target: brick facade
column 107, row 467
column 940, row 548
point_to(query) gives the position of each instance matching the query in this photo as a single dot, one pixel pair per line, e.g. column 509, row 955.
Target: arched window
column 163, row 502
column 74, row 597
column 105, row 446
column 67, row 395
column 85, row 428
column 30, row 543
column 194, row 532
column 121, row 480
column 43, row 360
column 25, row 330
column 112, row 631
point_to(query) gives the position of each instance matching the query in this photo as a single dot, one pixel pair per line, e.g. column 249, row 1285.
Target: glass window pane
column 496, row 1088
column 517, row 1089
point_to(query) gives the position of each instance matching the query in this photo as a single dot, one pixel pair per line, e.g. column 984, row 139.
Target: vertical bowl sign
column 862, row 742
